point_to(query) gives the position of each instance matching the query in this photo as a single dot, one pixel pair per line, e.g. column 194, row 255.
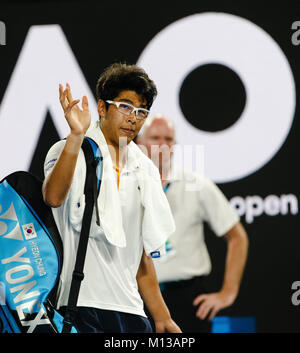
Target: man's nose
column 132, row 118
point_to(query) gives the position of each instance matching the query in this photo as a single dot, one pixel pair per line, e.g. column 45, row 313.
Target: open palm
column 78, row 119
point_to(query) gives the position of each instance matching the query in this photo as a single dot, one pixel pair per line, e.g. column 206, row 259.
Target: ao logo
column 181, row 47
column 245, row 48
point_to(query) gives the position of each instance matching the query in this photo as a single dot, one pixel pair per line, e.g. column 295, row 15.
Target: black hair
column 120, row 77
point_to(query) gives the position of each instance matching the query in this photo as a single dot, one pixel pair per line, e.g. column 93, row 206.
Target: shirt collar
column 132, row 162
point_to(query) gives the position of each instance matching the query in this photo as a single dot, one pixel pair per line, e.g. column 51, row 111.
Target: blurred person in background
column 194, row 199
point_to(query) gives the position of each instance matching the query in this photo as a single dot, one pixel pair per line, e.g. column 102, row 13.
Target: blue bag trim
column 98, row 157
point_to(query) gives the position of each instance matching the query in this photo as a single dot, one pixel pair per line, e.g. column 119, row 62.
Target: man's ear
column 101, row 107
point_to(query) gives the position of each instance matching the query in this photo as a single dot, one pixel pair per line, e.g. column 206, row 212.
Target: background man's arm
column 237, row 249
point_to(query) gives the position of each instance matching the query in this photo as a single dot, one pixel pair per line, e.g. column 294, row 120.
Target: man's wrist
column 73, row 143
column 162, row 316
column 229, row 294
column 162, row 319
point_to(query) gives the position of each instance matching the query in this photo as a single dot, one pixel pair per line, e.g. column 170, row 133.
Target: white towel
column 158, row 223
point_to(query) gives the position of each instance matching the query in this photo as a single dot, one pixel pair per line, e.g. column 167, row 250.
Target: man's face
column 159, row 139
column 116, row 126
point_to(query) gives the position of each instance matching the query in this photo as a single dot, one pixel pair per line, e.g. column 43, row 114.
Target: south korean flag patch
column 29, row 231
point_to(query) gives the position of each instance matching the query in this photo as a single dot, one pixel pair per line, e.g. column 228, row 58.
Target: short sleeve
column 218, row 212
column 52, row 156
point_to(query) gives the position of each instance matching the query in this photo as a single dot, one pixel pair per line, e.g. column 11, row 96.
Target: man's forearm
column 150, row 291
column 58, row 182
column 237, row 249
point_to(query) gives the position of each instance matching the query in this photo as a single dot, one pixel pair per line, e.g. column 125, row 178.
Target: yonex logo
column 17, row 278
column 9, row 226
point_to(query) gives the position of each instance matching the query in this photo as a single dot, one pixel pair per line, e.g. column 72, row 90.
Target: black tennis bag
column 31, row 252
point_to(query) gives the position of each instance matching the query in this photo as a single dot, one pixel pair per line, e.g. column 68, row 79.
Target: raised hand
column 78, row 120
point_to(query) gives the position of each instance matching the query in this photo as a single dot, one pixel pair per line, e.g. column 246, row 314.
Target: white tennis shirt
column 194, row 199
column 110, row 271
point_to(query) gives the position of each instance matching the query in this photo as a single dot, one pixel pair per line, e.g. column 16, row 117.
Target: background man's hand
column 212, row 303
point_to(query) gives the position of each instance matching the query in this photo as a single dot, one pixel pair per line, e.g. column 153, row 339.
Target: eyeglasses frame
column 134, row 109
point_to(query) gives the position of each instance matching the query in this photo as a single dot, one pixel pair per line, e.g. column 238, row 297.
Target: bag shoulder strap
column 91, row 190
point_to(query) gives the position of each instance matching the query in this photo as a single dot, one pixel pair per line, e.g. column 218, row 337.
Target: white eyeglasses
column 128, row 109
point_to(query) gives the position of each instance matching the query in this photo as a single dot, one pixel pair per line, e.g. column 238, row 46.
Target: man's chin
column 124, row 140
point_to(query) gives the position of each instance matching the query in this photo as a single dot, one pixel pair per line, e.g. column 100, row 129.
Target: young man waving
column 135, row 218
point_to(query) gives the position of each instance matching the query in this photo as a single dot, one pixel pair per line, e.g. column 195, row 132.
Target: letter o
column 16, row 269
column 253, row 54
column 238, row 204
